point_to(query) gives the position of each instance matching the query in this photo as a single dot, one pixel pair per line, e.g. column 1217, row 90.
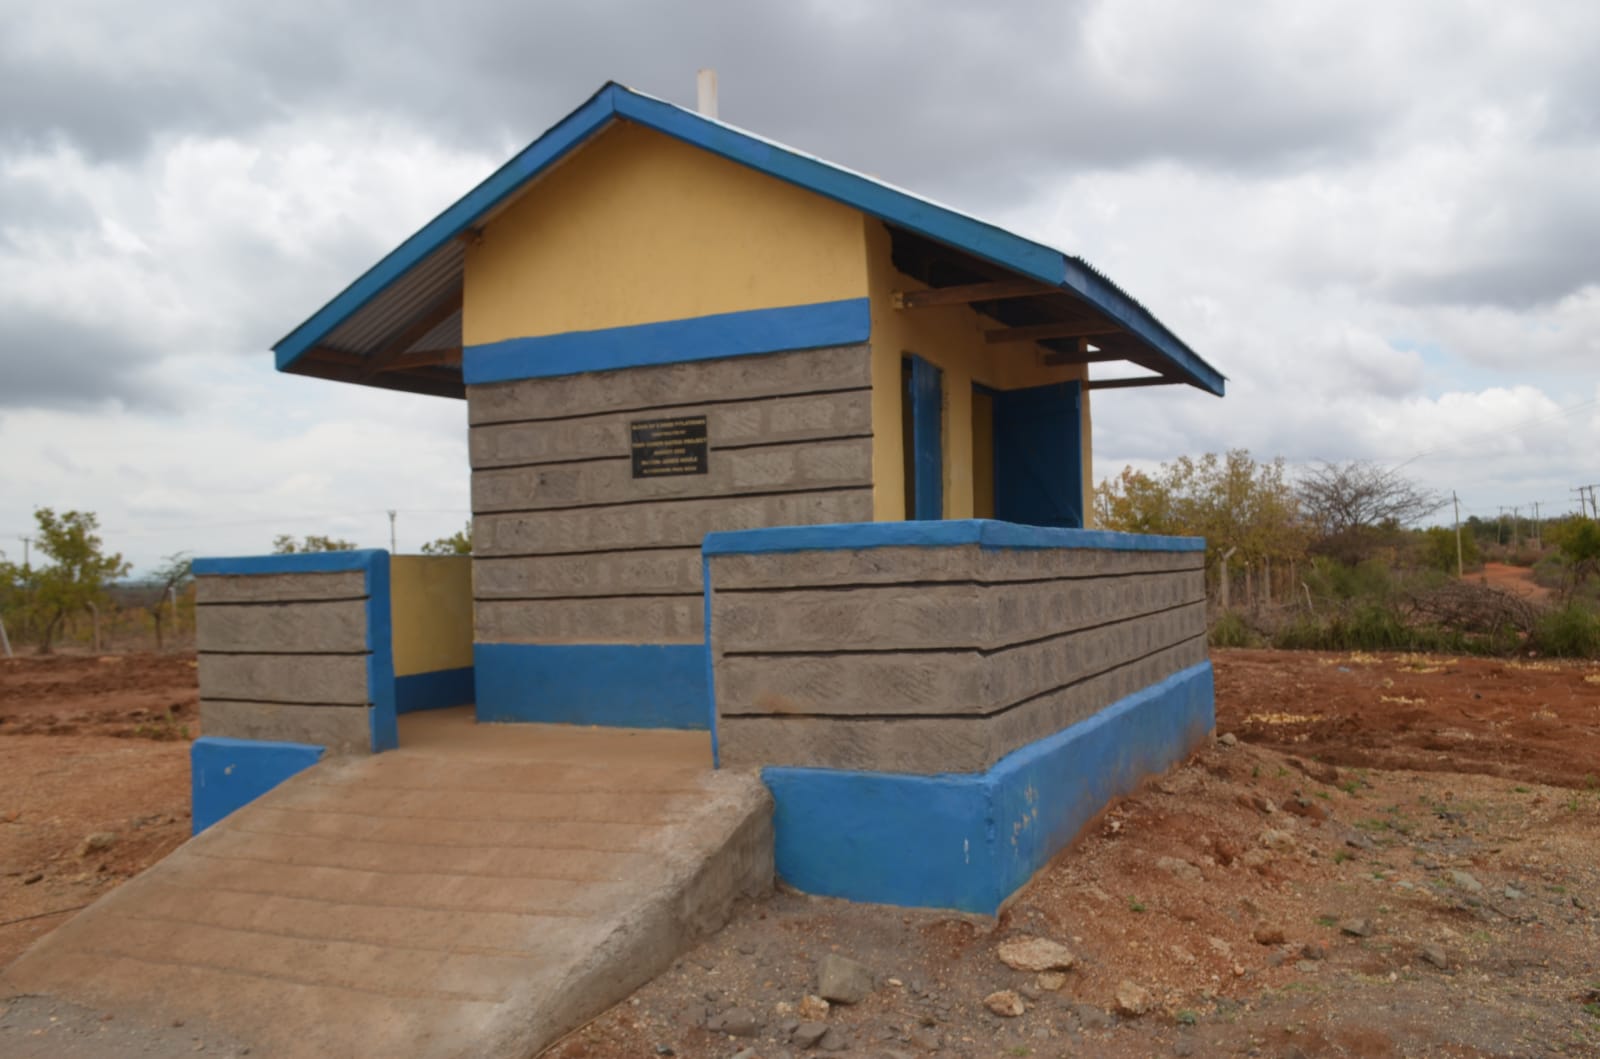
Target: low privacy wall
column 297, row 648
column 307, row 654
column 939, row 707
column 937, row 647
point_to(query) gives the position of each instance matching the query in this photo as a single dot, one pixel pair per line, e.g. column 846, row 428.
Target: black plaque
column 663, row 447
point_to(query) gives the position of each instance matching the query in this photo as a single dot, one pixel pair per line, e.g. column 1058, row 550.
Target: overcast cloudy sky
column 1381, row 220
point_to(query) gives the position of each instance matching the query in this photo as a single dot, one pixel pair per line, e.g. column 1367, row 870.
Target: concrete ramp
column 478, row 892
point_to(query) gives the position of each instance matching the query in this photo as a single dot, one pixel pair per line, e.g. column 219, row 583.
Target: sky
column 1381, row 221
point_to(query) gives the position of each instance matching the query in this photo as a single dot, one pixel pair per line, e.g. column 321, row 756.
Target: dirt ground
column 89, row 746
column 1517, row 580
column 1396, row 855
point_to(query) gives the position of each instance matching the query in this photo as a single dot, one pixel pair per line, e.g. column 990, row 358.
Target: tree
column 1579, row 541
column 78, row 572
column 1438, row 549
column 14, row 596
column 458, row 543
column 1353, row 505
column 1234, row 501
column 284, row 544
column 175, row 572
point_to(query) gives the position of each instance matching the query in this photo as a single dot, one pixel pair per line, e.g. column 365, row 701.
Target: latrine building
column 762, row 446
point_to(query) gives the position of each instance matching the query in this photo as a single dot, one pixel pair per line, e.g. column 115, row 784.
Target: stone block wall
column 286, row 646
column 943, row 655
column 571, row 548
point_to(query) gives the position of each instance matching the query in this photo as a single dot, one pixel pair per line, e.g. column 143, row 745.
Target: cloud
column 51, row 361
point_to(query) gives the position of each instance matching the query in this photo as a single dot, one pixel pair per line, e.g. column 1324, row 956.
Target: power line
column 1566, row 411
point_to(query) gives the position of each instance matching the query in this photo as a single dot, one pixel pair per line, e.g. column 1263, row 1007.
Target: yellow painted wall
column 430, row 607
column 637, row 227
column 952, row 338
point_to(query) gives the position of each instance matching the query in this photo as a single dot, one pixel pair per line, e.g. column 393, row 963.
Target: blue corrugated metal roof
column 359, row 317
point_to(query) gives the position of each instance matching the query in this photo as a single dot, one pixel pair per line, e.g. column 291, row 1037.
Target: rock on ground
column 1133, row 999
column 842, row 980
column 1026, row 953
column 1006, row 1003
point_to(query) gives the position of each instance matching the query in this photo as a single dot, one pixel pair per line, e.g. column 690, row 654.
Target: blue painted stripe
column 298, row 563
column 986, row 533
column 225, row 774
column 614, row 685
column 380, row 656
column 437, row 690
column 838, row 323
column 969, row 841
column 548, row 149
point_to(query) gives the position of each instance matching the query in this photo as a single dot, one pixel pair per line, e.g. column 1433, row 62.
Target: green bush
column 1231, row 630
column 1571, row 632
column 1373, row 627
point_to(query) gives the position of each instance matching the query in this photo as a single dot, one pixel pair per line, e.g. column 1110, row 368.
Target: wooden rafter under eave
column 386, row 356
column 1040, row 332
column 966, row 294
column 1123, row 384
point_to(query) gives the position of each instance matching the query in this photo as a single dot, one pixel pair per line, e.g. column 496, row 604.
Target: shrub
column 1570, row 632
column 1231, row 630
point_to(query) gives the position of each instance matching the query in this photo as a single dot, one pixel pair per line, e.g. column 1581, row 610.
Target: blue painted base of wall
column 226, row 774
column 969, row 841
column 615, row 685
column 433, row 691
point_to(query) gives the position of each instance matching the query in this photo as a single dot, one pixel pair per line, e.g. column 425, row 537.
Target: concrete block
column 1032, row 669
column 876, row 617
column 278, row 588
column 635, row 620
column 882, row 744
column 332, row 627
column 670, row 523
column 596, row 574
column 762, row 421
column 310, row 679
column 930, row 746
column 340, row 729
column 868, row 566
column 959, row 563
column 1018, row 563
column 852, row 684
column 1056, row 710
column 821, row 465
column 733, row 378
column 947, row 615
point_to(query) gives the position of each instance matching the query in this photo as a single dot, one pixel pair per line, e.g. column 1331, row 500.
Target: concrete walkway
column 479, row 891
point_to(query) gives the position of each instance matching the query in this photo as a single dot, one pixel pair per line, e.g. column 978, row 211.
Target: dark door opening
column 1038, row 454
column 922, row 435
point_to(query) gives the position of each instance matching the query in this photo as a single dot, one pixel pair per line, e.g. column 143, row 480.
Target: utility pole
column 392, row 548
column 1457, row 505
column 1516, row 527
column 1538, row 539
column 27, row 542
